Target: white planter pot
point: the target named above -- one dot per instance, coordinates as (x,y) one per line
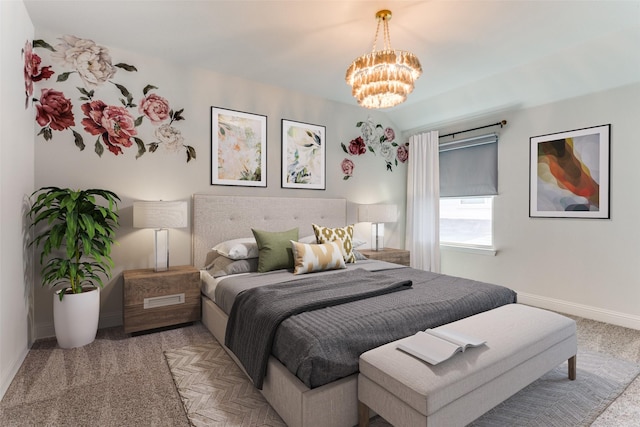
(75,318)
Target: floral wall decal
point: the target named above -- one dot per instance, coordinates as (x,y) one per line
(375,139)
(116,126)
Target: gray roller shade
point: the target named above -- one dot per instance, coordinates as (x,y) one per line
(469,167)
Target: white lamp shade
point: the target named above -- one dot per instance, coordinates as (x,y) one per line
(160,214)
(378,213)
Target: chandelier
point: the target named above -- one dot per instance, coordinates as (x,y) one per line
(383,78)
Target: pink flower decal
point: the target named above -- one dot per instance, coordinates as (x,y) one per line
(32,70)
(115,124)
(403,153)
(155,107)
(347,168)
(357,146)
(389,134)
(54,110)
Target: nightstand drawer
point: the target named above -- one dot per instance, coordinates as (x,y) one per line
(396,256)
(157,299)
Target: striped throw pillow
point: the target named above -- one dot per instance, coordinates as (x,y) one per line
(308,258)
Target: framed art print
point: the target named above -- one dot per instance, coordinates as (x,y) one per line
(238,148)
(569,174)
(303,155)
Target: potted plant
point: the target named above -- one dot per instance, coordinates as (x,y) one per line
(77,232)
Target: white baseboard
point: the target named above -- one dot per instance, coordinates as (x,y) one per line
(6,380)
(588,312)
(107,320)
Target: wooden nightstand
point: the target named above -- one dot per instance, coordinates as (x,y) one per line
(397,256)
(157,299)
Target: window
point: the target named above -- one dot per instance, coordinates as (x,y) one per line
(468,182)
(466,221)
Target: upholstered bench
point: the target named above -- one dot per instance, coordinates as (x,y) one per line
(523,343)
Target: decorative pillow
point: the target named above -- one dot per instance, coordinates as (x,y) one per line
(359,255)
(326,234)
(274,249)
(357,242)
(308,239)
(223,266)
(308,258)
(312,239)
(238,248)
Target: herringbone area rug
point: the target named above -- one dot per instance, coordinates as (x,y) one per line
(215,392)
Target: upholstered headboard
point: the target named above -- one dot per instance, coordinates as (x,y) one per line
(220,218)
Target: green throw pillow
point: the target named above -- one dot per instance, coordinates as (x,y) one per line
(274,249)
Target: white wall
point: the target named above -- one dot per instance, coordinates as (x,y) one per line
(578,266)
(167,176)
(16,182)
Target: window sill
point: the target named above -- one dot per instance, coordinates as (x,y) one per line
(479,250)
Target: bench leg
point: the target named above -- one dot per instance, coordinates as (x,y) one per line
(572,368)
(363,415)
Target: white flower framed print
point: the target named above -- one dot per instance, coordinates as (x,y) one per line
(303,155)
(238,148)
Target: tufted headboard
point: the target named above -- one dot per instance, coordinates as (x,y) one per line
(220,218)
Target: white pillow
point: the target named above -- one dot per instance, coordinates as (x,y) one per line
(308,239)
(357,242)
(243,248)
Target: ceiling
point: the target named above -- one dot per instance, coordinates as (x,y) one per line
(476,54)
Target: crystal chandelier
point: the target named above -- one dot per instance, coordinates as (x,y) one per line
(383,78)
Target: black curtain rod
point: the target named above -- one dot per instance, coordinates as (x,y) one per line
(453,134)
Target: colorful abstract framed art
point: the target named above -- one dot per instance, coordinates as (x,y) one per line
(303,155)
(238,148)
(569,174)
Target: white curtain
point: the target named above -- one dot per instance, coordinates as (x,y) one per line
(423,202)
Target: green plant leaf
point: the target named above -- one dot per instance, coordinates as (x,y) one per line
(153,147)
(344,148)
(138,121)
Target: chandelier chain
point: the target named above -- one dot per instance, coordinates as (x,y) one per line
(387,35)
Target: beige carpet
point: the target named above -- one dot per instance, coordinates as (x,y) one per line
(125,381)
(215,392)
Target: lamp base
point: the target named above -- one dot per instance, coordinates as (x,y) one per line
(162,250)
(377,236)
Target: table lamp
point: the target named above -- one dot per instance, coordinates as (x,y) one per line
(161,216)
(377,215)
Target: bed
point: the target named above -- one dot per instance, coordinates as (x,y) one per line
(304,401)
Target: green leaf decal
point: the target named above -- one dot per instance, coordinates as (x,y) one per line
(43,44)
(78,140)
(191,153)
(153,147)
(64,76)
(344,148)
(126,67)
(147,88)
(138,121)
(141,147)
(99,149)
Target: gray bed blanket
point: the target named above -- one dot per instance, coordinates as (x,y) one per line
(324,345)
(257,312)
